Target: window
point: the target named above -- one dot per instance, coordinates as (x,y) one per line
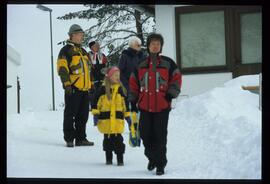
(218,39)
(251,37)
(202,39)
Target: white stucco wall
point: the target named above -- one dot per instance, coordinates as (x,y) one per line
(13,63)
(192,84)
(165,26)
(199,83)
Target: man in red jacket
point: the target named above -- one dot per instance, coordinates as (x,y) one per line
(153,85)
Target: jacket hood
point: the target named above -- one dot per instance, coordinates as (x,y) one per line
(132,52)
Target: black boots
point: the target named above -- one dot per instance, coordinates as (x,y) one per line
(83,142)
(120,161)
(109,158)
(70,144)
(150,166)
(160,171)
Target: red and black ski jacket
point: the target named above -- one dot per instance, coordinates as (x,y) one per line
(153,88)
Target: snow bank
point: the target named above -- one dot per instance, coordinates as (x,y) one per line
(218,134)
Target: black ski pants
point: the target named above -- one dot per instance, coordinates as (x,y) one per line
(76,115)
(153,131)
(114,142)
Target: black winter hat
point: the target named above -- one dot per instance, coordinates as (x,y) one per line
(154,36)
(91,44)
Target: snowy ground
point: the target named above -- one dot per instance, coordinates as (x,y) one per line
(215,135)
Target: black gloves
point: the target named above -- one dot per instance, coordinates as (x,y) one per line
(68,90)
(168,97)
(133,107)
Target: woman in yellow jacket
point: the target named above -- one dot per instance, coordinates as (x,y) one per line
(110,108)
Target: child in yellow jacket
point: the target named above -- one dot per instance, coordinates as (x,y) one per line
(110,108)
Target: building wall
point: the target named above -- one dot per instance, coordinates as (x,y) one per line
(192,84)
(13,63)
(165,25)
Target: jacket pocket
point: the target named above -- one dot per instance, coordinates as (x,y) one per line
(162,81)
(162,103)
(76,65)
(77,81)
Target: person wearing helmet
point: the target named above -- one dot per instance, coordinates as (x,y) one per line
(73,67)
(153,85)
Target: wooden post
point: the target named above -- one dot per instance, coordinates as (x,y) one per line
(250,87)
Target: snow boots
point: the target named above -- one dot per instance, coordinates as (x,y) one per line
(109,157)
(120,160)
(70,144)
(160,171)
(83,142)
(150,166)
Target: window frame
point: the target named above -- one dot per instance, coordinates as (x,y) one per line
(232,36)
(237,14)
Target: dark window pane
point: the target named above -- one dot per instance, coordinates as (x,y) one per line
(251,38)
(202,39)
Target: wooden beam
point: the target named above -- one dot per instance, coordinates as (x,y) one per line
(250,87)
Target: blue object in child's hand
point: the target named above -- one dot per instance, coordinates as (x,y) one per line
(128,121)
(95,119)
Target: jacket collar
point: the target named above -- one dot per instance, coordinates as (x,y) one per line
(69,42)
(158,59)
(114,86)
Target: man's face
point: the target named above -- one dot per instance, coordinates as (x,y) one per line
(155,46)
(96,47)
(137,46)
(78,37)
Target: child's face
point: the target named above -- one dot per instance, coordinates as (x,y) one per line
(115,78)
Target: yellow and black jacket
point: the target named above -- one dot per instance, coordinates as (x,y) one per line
(74,66)
(111,113)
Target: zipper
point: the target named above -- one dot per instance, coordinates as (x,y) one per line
(157,89)
(146,78)
(82,64)
(157,81)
